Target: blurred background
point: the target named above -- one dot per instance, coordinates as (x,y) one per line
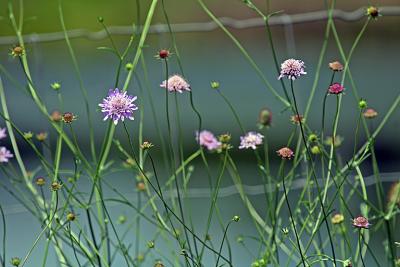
(207,54)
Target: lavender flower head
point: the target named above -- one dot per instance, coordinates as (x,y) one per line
(292,69)
(3,133)
(5,154)
(208,140)
(361,222)
(176,83)
(251,140)
(118,106)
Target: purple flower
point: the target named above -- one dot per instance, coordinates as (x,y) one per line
(3,133)
(208,140)
(176,83)
(292,69)
(251,140)
(118,106)
(336,89)
(5,154)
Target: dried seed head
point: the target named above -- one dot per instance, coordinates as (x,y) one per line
(40,181)
(55,186)
(297,119)
(141,186)
(285,153)
(370,113)
(146,145)
(336,66)
(17,51)
(163,54)
(68,117)
(373,12)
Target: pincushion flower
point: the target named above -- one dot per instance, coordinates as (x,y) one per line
(176,83)
(292,69)
(336,89)
(5,154)
(285,153)
(118,106)
(361,222)
(208,140)
(370,113)
(3,133)
(251,140)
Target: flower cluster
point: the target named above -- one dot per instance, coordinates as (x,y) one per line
(176,83)
(336,89)
(118,106)
(251,140)
(292,69)
(208,140)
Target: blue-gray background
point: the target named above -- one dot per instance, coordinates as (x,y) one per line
(206,56)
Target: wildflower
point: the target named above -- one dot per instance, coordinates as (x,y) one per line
(129,66)
(336,141)
(337,218)
(336,89)
(214,85)
(373,12)
(146,145)
(315,150)
(68,117)
(5,154)
(292,69)
(208,140)
(3,133)
(264,118)
(361,222)
(175,83)
(56,116)
(55,186)
(71,216)
(40,181)
(141,186)
(18,51)
(297,119)
(163,54)
(370,113)
(285,153)
(150,244)
(236,218)
(56,86)
(336,66)
(251,140)
(41,137)
(362,104)
(312,138)
(118,106)
(15,261)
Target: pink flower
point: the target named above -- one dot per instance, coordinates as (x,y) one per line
(285,153)
(251,140)
(118,106)
(292,69)
(176,83)
(5,154)
(370,113)
(336,89)
(361,222)
(3,133)
(208,140)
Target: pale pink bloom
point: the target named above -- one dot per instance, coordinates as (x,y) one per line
(251,140)
(3,133)
(5,154)
(285,153)
(176,83)
(361,222)
(292,69)
(336,89)
(208,140)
